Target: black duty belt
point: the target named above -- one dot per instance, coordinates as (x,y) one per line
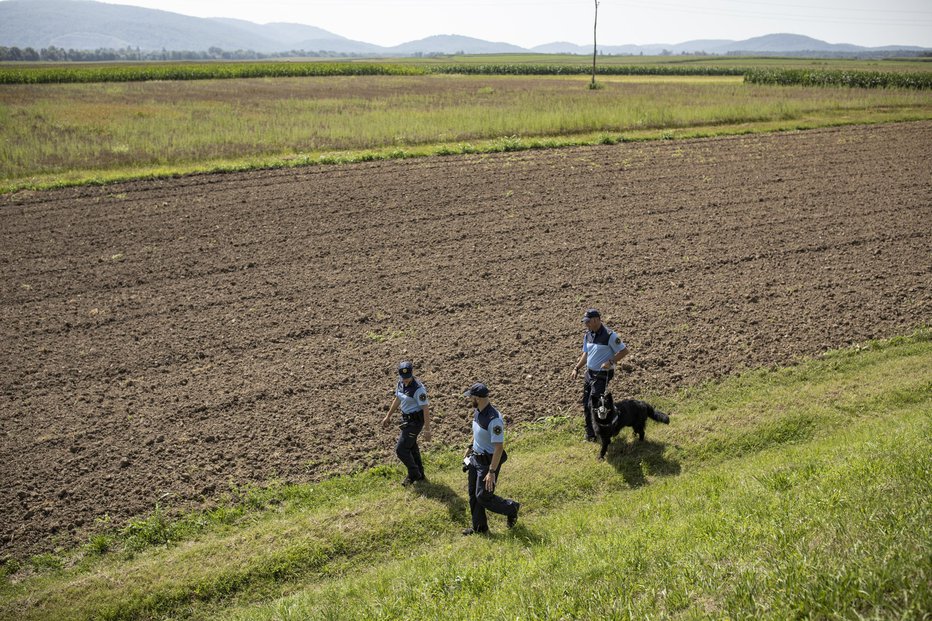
(483,458)
(412,415)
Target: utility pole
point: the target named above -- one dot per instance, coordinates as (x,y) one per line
(595,47)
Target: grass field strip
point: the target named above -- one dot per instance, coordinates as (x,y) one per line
(70,134)
(793,492)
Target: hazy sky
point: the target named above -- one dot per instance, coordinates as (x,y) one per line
(532,22)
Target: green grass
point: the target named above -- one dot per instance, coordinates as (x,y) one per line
(71,134)
(791,493)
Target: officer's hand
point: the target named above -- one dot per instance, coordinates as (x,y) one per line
(574,373)
(490,481)
(606,365)
(385,422)
(427,435)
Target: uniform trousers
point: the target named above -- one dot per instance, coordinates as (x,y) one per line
(595,386)
(481,499)
(407,449)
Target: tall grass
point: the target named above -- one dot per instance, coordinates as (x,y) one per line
(795,493)
(55,129)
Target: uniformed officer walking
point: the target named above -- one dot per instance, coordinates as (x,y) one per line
(484,460)
(411,398)
(602,348)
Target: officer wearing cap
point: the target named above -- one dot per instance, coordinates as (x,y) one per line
(411,399)
(483,460)
(602,348)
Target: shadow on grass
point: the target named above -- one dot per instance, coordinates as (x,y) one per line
(456,504)
(525,535)
(635,460)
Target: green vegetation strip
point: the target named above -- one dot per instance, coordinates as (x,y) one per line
(839,78)
(222,71)
(57,135)
(506,144)
(794,493)
(560,69)
(37,74)
(195,71)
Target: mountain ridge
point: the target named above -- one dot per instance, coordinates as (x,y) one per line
(89,25)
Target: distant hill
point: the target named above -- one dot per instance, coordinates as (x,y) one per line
(452,44)
(340,46)
(562,47)
(88,25)
(783,42)
(282,33)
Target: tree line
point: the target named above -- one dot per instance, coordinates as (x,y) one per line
(58,54)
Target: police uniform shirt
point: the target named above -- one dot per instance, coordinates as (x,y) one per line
(412,397)
(487,427)
(600,347)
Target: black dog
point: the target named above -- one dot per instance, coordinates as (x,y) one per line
(609,418)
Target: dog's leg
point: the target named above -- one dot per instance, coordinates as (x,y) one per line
(605,442)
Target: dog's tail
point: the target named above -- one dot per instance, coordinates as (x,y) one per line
(659,416)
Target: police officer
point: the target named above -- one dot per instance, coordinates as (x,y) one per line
(411,398)
(483,460)
(602,348)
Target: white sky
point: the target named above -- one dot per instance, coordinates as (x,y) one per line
(533,22)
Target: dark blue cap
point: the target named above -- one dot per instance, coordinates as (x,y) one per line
(477,390)
(406,369)
(592,312)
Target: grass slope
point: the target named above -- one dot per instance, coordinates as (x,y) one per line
(791,493)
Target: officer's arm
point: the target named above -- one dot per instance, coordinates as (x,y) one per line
(579,364)
(426,410)
(492,476)
(621,354)
(497,455)
(391,410)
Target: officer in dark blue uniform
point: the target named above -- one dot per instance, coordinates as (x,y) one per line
(483,460)
(411,399)
(602,348)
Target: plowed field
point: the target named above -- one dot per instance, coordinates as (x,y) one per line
(161,339)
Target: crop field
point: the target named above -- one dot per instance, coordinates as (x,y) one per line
(720,62)
(161,340)
(717,62)
(71,133)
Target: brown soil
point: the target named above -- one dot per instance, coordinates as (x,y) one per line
(161,339)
